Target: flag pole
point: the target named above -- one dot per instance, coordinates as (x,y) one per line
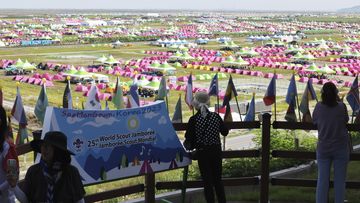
(237,104)
(217,94)
(297,98)
(275,94)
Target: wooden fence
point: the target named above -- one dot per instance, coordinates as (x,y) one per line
(150,185)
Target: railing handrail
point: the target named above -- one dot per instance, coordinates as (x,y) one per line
(264,153)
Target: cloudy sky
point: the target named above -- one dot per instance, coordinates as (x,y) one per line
(281,5)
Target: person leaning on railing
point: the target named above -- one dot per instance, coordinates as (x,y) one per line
(204,129)
(330,115)
(53,179)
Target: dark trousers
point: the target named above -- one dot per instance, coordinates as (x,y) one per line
(210,165)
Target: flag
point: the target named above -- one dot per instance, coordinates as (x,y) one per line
(41,104)
(214,87)
(353,96)
(230,92)
(93,102)
(270,95)
(133,97)
(117,98)
(290,115)
(309,94)
(250,115)
(189,92)
(162,90)
(228,116)
(18,112)
(177,117)
(106,105)
(67,98)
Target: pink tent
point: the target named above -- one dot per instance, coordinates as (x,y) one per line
(58,77)
(304,79)
(279,76)
(31,80)
(269,75)
(18,77)
(24,79)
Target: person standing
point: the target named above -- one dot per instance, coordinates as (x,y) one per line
(330,115)
(204,128)
(7,152)
(53,179)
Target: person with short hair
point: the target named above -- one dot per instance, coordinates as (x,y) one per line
(330,115)
(204,128)
(7,152)
(53,179)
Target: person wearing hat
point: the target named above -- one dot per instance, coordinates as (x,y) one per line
(7,152)
(204,129)
(53,179)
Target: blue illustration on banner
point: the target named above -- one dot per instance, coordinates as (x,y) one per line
(114,144)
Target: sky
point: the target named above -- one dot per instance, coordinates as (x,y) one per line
(279,5)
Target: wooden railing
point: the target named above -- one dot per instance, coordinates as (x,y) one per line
(263,180)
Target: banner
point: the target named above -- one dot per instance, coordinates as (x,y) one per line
(114,144)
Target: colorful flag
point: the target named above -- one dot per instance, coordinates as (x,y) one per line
(228,116)
(309,94)
(67,98)
(189,92)
(106,105)
(162,91)
(93,102)
(250,115)
(270,95)
(18,112)
(117,98)
(177,117)
(133,97)
(290,115)
(214,87)
(353,96)
(10,134)
(41,104)
(230,92)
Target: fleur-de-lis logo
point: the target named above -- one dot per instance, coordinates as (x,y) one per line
(77,143)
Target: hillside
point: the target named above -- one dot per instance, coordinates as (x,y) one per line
(355,9)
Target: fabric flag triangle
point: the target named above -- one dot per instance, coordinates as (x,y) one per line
(117,98)
(250,115)
(189,92)
(214,87)
(353,96)
(177,117)
(228,116)
(41,104)
(230,92)
(93,102)
(107,105)
(162,90)
(270,95)
(67,98)
(18,111)
(309,94)
(290,115)
(133,97)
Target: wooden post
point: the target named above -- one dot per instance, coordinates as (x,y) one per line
(150,188)
(265,156)
(36,136)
